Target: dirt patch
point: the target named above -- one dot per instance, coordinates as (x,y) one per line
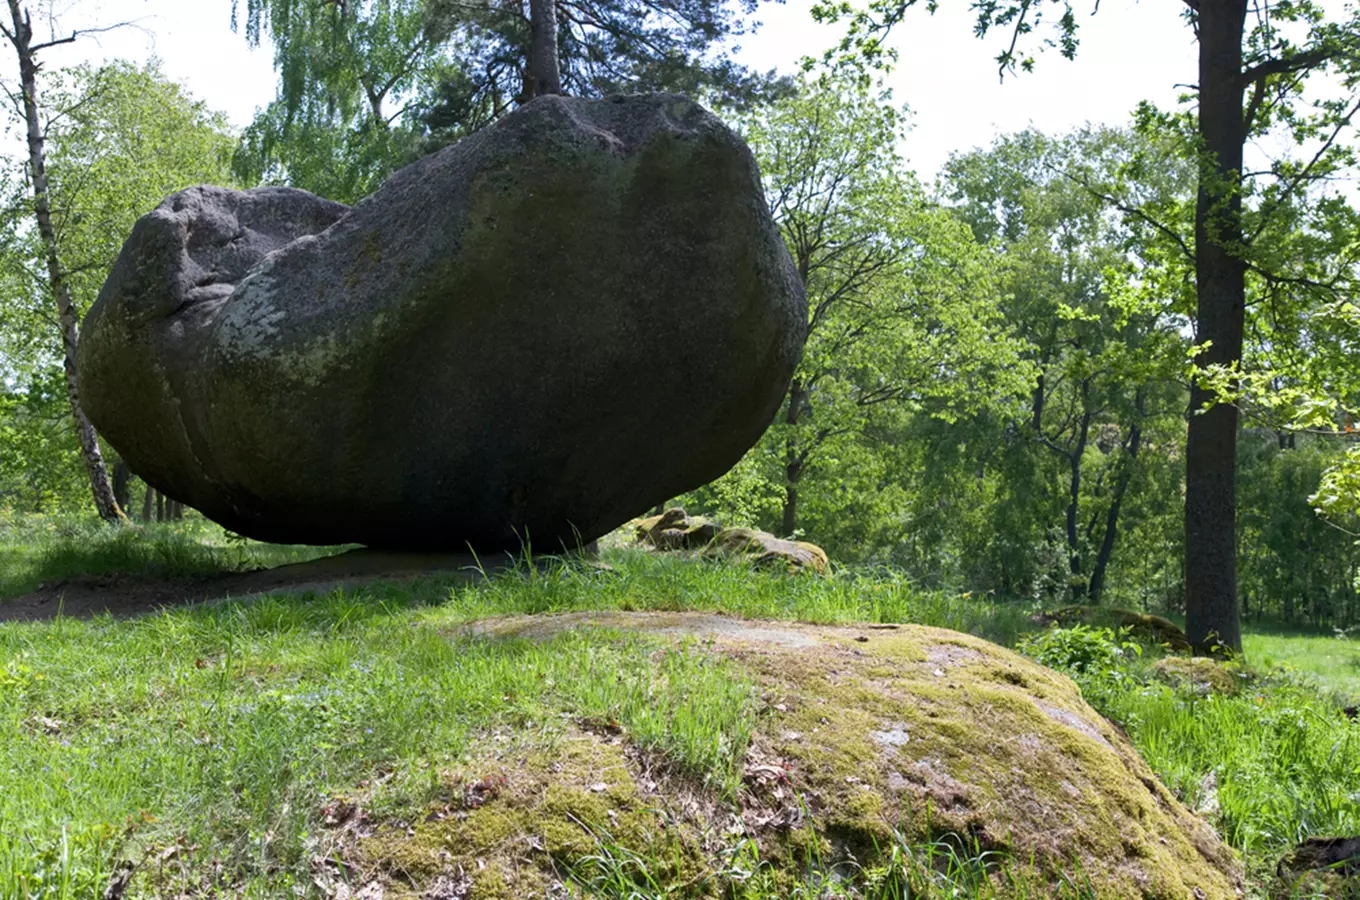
(123,595)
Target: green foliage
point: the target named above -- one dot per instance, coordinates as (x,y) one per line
(1030,497)
(124,139)
(346,73)
(903,315)
(1294,565)
(368,85)
(40,466)
(1095,653)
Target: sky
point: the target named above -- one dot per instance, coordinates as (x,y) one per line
(1129,52)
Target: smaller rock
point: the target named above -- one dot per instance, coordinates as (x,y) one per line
(1200,674)
(677,530)
(1321,867)
(760,548)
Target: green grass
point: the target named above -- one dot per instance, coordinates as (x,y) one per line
(933,870)
(225,728)
(1333,660)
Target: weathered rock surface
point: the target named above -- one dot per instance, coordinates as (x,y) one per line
(872,740)
(760,548)
(675,529)
(482,350)
(1202,675)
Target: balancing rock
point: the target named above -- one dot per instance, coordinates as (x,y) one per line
(483,352)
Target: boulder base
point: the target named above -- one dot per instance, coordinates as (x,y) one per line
(481,352)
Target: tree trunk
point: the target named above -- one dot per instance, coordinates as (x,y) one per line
(22,40)
(790,520)
(1211,613)
(1121,486)
(544,70)
(122,484)
(1074,460)
(148,503)
(793,460)
(160,507)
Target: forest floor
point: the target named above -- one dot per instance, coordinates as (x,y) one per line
(209,740)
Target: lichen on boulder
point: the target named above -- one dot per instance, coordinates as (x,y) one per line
(873,740)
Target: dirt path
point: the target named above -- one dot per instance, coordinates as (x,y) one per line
(122,595)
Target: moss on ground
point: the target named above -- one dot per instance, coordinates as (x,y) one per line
(870,740)
(518,824)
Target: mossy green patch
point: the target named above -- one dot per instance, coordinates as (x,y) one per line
(519,823)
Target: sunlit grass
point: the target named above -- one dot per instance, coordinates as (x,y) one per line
(226,727)
(1333,659)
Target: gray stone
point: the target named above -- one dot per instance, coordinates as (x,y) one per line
(540,332)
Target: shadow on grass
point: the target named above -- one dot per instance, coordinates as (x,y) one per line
(89,569)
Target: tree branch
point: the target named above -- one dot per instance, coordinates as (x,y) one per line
(1298,62)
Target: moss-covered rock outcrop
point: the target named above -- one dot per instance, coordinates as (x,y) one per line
(675,529)
(871,739)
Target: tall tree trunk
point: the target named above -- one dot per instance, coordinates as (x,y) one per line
(1121,486)
(22,40)
(544,67)
(793,459)
(122,483)
(1074,460)
(1211,613)
(148,503)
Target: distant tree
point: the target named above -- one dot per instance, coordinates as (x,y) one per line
(902,305)
(1250,82)
(1107,362)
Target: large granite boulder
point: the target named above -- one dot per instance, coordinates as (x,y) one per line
(482,351)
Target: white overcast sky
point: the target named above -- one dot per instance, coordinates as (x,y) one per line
(1130,51)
